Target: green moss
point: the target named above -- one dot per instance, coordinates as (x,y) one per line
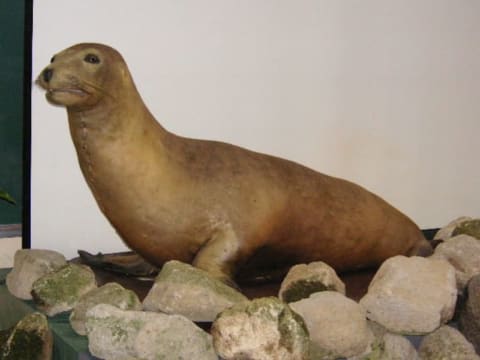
(61,286)
(302,289)
(4,335)
(469,227)
(378,351)
(292,328)
(23,345)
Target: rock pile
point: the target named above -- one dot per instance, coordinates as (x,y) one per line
(310,319)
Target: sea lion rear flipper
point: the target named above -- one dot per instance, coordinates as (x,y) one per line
(126,263)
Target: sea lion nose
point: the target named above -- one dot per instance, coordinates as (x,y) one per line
(47,74)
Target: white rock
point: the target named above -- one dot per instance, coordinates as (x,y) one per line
(412,295)
(173,338)
(463,252)
(110,293)
(446,232)
(262,329)
(305,279)
(446,343)
(125,335)
(337,324)
(28,266)
(185,290)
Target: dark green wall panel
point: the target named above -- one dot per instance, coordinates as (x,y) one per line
(12,101)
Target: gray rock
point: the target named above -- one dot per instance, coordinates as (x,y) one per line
(110,293)
(468,227)
(446,232)
(261,329)
(60,291)
(305,279)
(387,346)
(337,325)
(463,252)
(469,317)
(30,339)
(175,337)
(412,295)
(28,266)
(185,290)
(112,332)
(446,343)
(125,335)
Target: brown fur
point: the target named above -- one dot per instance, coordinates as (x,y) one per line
(213,204)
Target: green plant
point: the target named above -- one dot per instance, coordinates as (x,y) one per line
(6,197)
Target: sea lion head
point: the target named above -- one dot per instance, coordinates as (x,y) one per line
(83,75)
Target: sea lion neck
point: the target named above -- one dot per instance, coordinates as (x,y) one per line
(113,116)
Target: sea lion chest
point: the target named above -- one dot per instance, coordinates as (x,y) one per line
(136,188)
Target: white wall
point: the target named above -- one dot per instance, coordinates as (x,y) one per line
(384,93)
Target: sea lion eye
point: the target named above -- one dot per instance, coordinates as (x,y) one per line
(92,59)
(52,59)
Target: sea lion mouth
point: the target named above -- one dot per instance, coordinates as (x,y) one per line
(74,91)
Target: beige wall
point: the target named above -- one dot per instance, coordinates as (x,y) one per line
(384,93)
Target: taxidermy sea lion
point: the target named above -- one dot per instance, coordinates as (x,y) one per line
(222,208)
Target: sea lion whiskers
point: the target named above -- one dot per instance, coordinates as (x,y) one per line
(98,88)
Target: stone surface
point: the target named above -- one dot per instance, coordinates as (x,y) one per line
(185,290)
(28,266)
(30,339)
(261,329)
(446,231)
(110,293)
(469,317)
(387,346)
(175,337)
(468,227)
(122,334)
(446,343)
(305,279)
(60,291)
(337,325)
(463,252)
(412,295)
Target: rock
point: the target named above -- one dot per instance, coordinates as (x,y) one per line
(173,338)
(303,280)
(387,346)
(185,290)
(261,329)
(463,252)
(337,325)
(412,295)
(469,317)
(60,291)
(110,293)
(28,266)
(122,334)
(468,227)
(446,232)
(446,343)
(30,339)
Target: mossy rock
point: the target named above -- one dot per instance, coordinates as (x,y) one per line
(469,227)
(30,339)
(60,291)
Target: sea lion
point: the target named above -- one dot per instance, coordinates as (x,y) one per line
(215,205)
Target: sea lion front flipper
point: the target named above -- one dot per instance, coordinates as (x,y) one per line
(218,256)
